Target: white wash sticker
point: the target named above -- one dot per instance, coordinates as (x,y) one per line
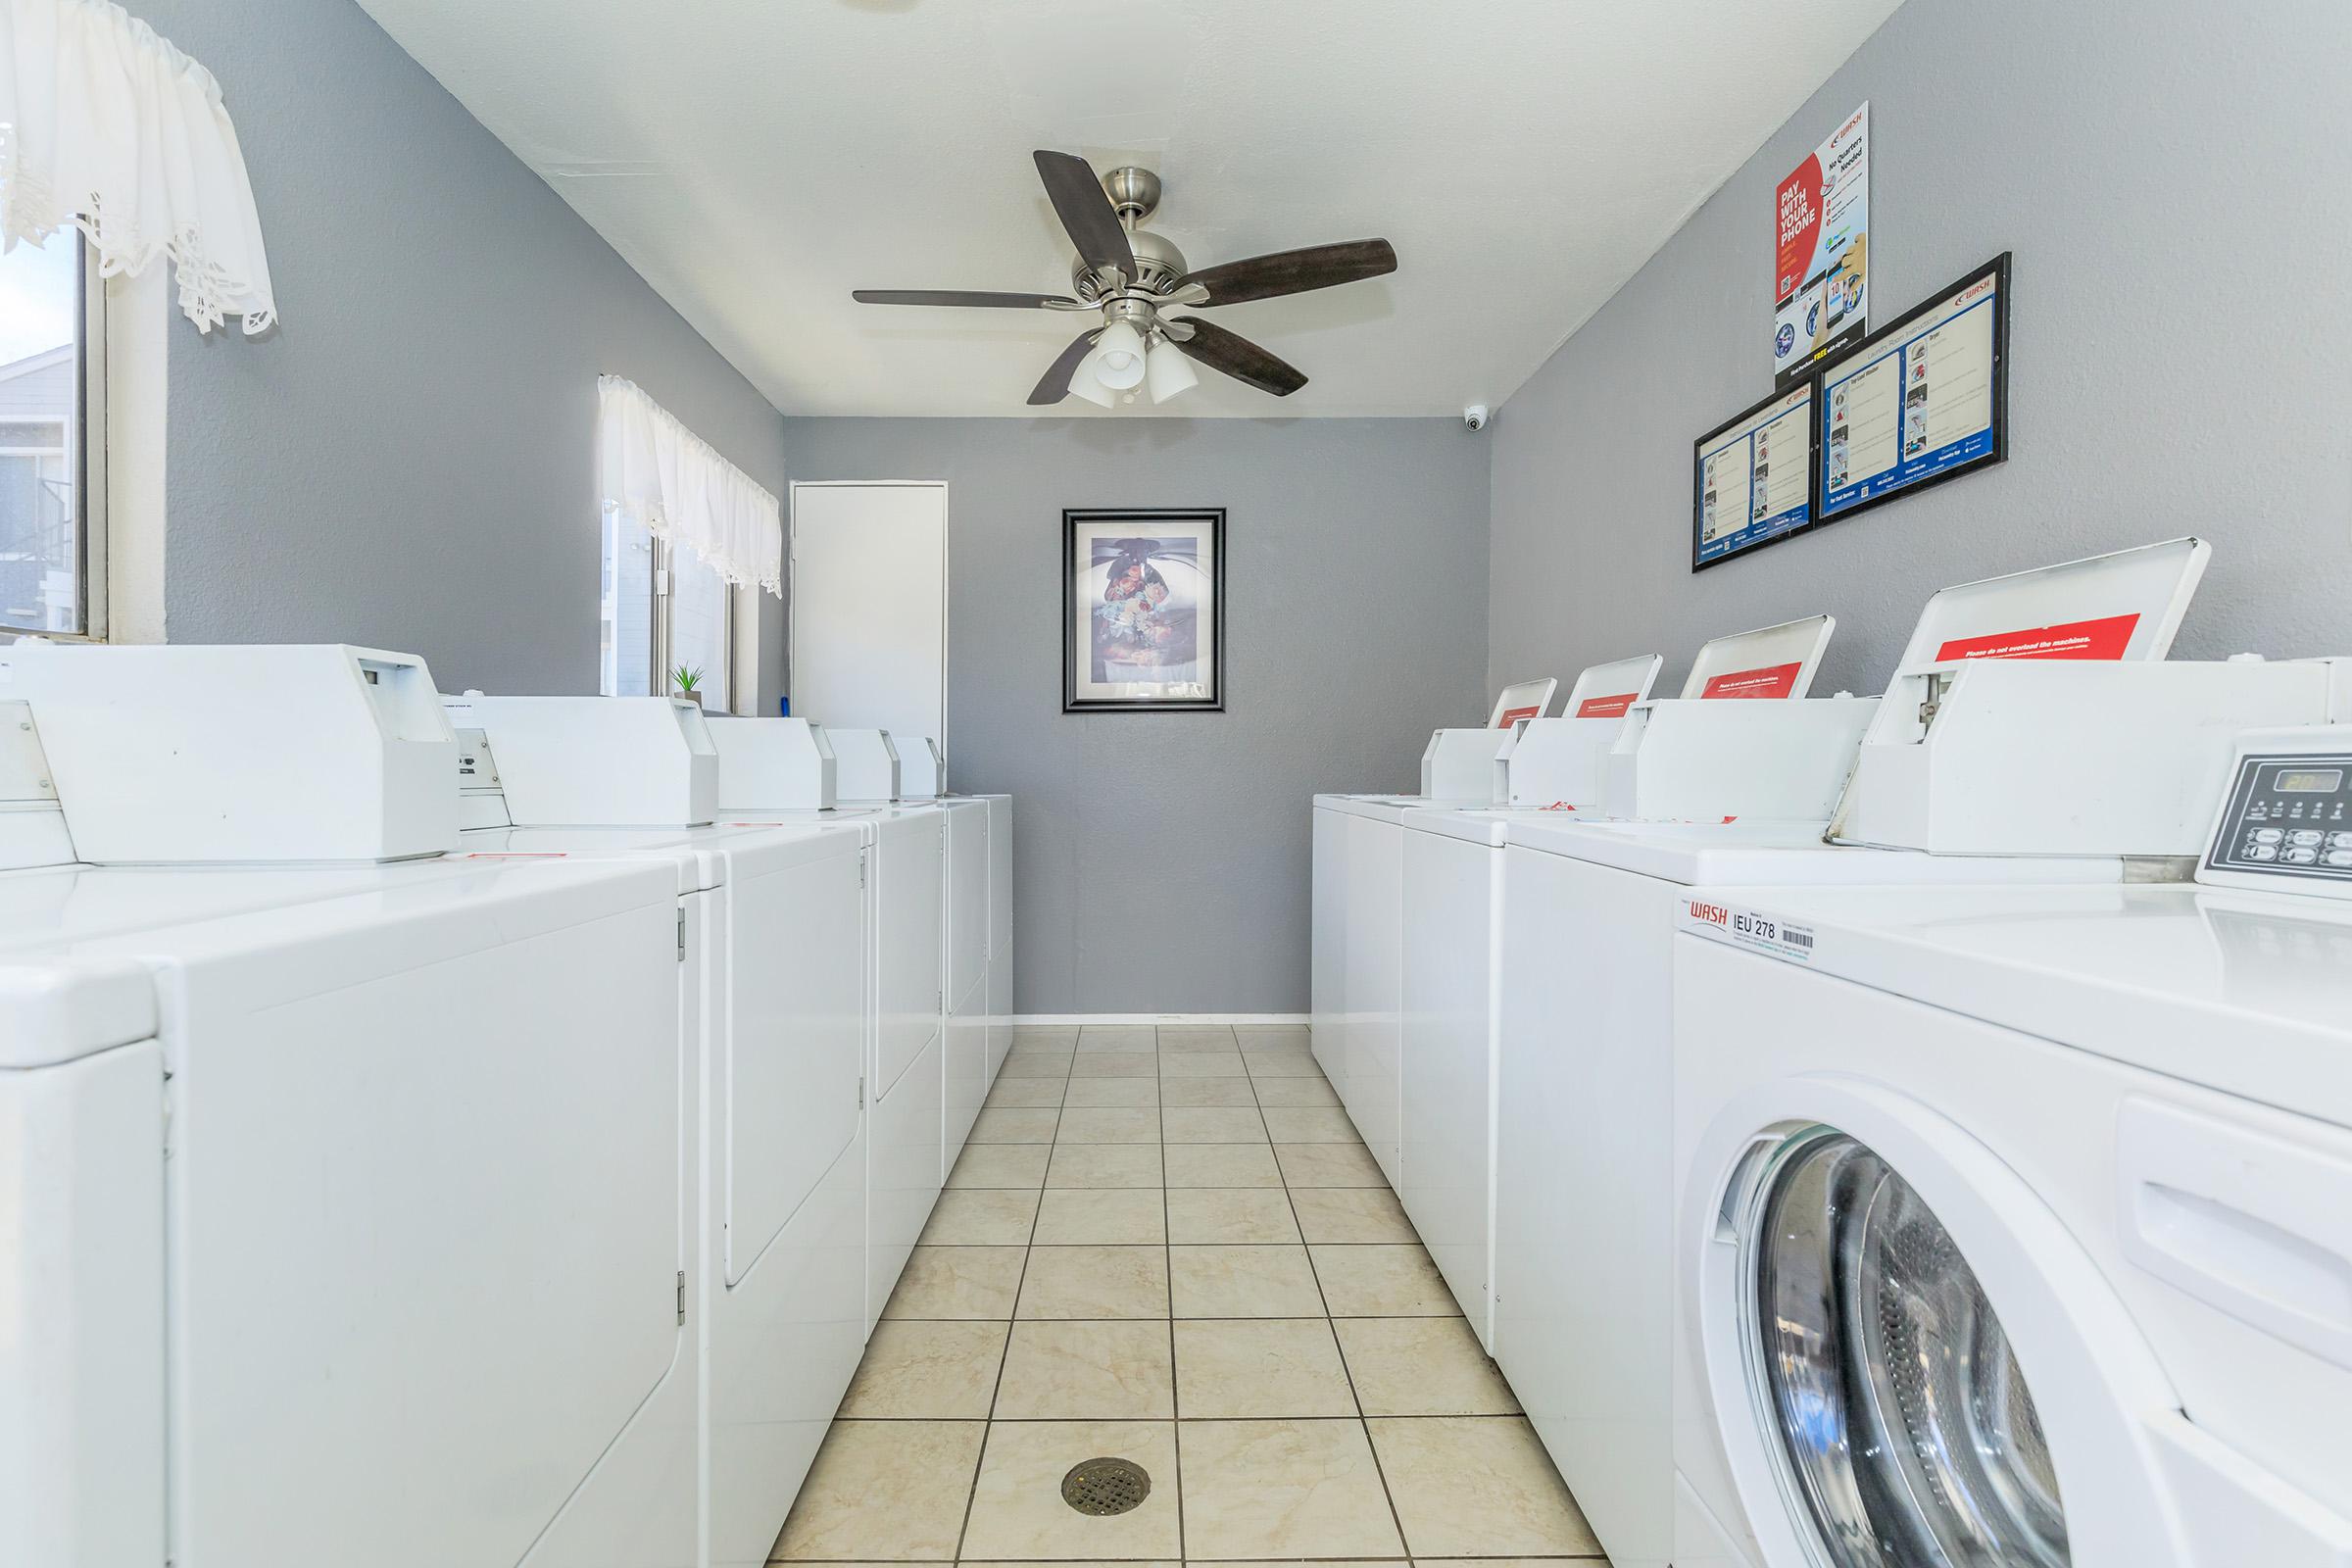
(1749,928)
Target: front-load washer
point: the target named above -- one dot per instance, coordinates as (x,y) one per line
(774,1002)
(313,1220)
(1582,1091)
(2011,1226)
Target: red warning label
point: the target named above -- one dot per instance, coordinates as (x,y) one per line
(1512,716)
(2104,638)
(1774,680)
(1604,707)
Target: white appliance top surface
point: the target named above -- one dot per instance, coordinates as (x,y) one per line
(701,855)
(1389,807)
(1477,826)
(2247,993)
(1762,853)
(77,931)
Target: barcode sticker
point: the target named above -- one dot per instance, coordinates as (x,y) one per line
(1748,928)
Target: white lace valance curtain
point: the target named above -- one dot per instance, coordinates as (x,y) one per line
(672,483)
(106,127)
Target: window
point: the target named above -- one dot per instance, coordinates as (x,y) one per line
(663,608)
(52,440)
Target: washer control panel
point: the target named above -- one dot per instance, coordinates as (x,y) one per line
(2288,820)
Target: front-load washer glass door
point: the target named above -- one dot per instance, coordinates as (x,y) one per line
(1906,1431)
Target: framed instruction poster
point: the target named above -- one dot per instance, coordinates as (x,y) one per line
(1922,400)
(1752,479)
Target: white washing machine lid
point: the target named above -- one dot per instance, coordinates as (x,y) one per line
(1376,807)
(1766,854)
(2248,994)
(1491,828)
(84,981)
(57,1012)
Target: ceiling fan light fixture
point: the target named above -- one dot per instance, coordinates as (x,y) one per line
(1167,373)
(1119,356)
(1086,384)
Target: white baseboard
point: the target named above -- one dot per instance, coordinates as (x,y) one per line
(1171,1019)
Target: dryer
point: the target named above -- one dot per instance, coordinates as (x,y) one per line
(907,1115)
(775,1004)
(313,1220)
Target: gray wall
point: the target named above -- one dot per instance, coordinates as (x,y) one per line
(406,460)
(2175,184)
(1160,860)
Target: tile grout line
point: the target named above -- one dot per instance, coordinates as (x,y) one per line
(971,1496)
(1378,1471)
(1167,1243)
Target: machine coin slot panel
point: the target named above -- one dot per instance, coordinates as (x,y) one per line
(2288,817)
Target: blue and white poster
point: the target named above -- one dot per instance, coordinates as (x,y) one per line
(1754,477)
(1916,403)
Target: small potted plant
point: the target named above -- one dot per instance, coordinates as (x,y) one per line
(688,679)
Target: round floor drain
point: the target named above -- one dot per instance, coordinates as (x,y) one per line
(1105,1487)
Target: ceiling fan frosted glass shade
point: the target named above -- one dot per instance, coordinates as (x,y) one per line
(1119,356)
(1086,384)
(1167,372)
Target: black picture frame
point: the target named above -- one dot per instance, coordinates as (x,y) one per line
(1997,271)
(1698,479)
(1078,627)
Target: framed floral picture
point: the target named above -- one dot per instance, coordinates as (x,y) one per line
(1142,611)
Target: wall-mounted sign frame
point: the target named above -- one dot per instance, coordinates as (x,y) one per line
(1752,478)
(1143,627)
(1922,400)
(1821,252)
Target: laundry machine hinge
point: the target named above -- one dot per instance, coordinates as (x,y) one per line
(681,936)
(681,1296)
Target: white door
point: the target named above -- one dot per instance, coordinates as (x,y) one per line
(870,608)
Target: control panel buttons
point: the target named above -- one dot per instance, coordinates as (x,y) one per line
(2340,841)
(2261,851)
(2301,857)
(2267,835)
(2307,836)
(2337,857)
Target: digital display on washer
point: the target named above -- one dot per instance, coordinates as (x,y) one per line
(2289,817)
(2310,781)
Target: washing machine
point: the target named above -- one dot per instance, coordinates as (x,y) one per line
(313,1222)
(2011,1222)
(909,1119)
(1450,890)
(1584,1076)
(775,1001)
(1356,936)
(965,1042)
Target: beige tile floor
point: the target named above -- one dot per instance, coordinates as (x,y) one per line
(1168,1247)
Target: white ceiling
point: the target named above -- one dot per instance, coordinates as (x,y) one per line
(757,159)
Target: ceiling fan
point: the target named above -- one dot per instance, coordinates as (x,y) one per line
(1133,275)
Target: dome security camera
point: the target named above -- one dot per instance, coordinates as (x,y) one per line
(1475,416)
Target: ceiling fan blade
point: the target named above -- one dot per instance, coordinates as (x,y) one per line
(1295,271)
(1085,211)
(1055,384)
(954,296)
(1238,357)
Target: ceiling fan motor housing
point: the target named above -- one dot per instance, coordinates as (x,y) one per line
(1160,267)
